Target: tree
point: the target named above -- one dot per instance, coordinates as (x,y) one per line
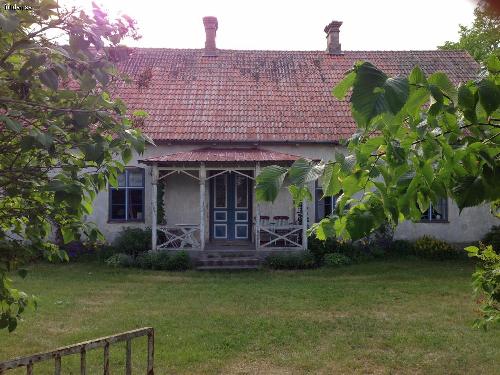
(483,37)
(62,135)
(418,139)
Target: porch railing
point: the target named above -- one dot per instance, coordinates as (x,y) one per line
(281,236)
(179,236)
(82,348)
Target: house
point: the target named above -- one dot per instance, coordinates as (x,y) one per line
(219,116)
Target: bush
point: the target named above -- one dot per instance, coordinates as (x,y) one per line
(145,260)
(493,238)
(120,260)
(319,248)
(431,248)
(133,241)
(401,248)
(486,283)
(336,259)
(179,261)
(162,260)
(291,261)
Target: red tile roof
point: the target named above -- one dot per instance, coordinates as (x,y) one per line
(259,96)
(223,155)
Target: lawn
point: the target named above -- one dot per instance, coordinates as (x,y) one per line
(409,317)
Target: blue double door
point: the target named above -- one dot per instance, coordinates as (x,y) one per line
(231,206)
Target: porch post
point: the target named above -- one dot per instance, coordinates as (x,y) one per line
(257,211)
(154,197)
(203,176)
(304,224)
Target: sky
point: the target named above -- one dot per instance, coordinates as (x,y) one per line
(294,25)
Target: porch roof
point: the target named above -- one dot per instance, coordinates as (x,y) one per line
(223,155)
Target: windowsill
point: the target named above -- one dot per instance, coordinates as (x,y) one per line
(433,221)
(117,221)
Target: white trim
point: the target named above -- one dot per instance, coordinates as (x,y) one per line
(215,232)
(154,193)
(257,211)
(203,176)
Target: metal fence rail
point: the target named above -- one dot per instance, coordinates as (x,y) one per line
(82,348)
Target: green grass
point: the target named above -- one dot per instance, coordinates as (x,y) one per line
(410,317)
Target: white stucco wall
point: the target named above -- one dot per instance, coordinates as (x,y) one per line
(182,201)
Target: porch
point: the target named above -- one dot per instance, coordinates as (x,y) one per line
(210,205)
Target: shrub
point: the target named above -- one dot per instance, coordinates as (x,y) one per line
(319,248)
(291,261)
(401,248)
(133,241)
(120,260)
(145,260)
(493,238)
(336,259)
(162,260)
(486,284)
(179,261)
(431,248)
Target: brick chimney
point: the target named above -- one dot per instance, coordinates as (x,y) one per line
(332,31)
(210,31)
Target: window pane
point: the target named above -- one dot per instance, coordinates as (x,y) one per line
(121,180)
(220,231)
(135,196)
(118,196)
(135,212)
(135,178)
(241,231)
(241,191)
(220,191)
(118,212)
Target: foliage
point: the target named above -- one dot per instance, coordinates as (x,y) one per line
(133,241)
(486,283)
(419,138)
(120,260)
(431,248)
(291,261)
(493,238)
(319,248)
(336,259)
(401,248)
(163,260)
(483,37)
(61,128)
(160,205)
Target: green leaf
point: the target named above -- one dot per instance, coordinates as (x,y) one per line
(492,62)
(49,78)
(466,98)
(68,234)
(330,183)
(374,93)
(417,76)
(340,90)
(304,171)
(489,96)
(299,194)
(269,182)
(442,81)
(469,191)
(11,124)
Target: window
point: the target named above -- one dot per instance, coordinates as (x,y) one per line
(126,203)
(324,206)
(436,213)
